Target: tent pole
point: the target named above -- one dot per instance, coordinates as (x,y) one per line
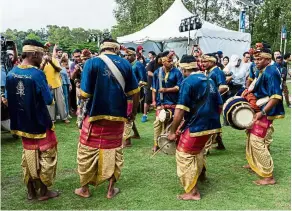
(206,9)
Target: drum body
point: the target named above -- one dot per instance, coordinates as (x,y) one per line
(168,147)
(238,113)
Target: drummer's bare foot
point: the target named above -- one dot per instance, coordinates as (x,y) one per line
(127,143)
(193,195)
(265,181)
(246,166)
(82,192)
(155,148)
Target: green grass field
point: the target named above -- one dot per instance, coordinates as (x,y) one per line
(152,183)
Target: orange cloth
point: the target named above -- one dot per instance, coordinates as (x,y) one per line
(251,99)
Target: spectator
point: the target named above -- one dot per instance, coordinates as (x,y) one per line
(237,71)
(66,84)
(225,61)
(52,68)
(77,60)
(246,57)
(283,70)
(152,55)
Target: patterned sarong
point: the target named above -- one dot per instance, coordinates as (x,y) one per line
(190,159)
(257,147)
(189,168)
(99,153)
(98,165)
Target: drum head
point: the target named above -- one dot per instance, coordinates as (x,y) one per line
(162,115)
(242,117)
(168,147)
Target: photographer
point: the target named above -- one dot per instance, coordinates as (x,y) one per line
(72,95)
(9,56)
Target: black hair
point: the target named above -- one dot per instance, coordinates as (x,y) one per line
(245,53)
(76,51)
(278,51)
(152,52)
(287,55)
(33,43)
(59,49)
(164,54)
(187,59)
(226,57)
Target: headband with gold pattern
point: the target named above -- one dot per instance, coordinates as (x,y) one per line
(130,52)
(187,66)
(31,48)
(263,55)
(208,58)
(109,45)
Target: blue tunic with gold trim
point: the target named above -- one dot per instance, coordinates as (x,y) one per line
(171,79)
(140,72)
(253,72)
(107,100)
(28,95)
(218,76)
(269,84)
(207,119)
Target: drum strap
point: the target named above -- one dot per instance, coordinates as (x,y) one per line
(114,70)
(194,111)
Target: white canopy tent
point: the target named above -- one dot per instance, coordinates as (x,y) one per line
(163,34)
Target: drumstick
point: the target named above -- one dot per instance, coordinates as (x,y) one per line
(158,150)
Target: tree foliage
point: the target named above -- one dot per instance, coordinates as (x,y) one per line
(268,22)
(68,39)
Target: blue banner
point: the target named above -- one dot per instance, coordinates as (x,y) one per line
(242,21)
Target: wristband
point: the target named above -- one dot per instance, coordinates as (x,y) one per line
(263,112)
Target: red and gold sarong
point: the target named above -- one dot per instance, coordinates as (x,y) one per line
(257,147)
(190,159)
(39,158)
(99,153)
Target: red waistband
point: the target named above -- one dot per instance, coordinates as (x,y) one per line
(103,134)
(192,145)
(260,127)
(43,144)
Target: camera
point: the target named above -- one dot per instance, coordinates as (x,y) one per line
(5,46)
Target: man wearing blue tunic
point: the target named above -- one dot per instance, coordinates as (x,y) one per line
(165,88)
(267,89)
(217,75)
(28,95)
(139,72)
(200,104)
(107,81)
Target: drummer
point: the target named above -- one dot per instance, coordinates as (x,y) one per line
(199,103)
(165,88)
(140,73)
(217,75)
(260,135)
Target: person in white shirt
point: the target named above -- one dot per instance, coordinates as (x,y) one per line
(236,71)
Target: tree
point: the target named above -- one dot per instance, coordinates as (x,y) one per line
(269,20)
(32,36)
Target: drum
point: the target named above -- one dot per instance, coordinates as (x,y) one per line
(164,115)
(238,113)
(166,146)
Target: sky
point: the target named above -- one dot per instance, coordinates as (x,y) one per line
(36,14)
